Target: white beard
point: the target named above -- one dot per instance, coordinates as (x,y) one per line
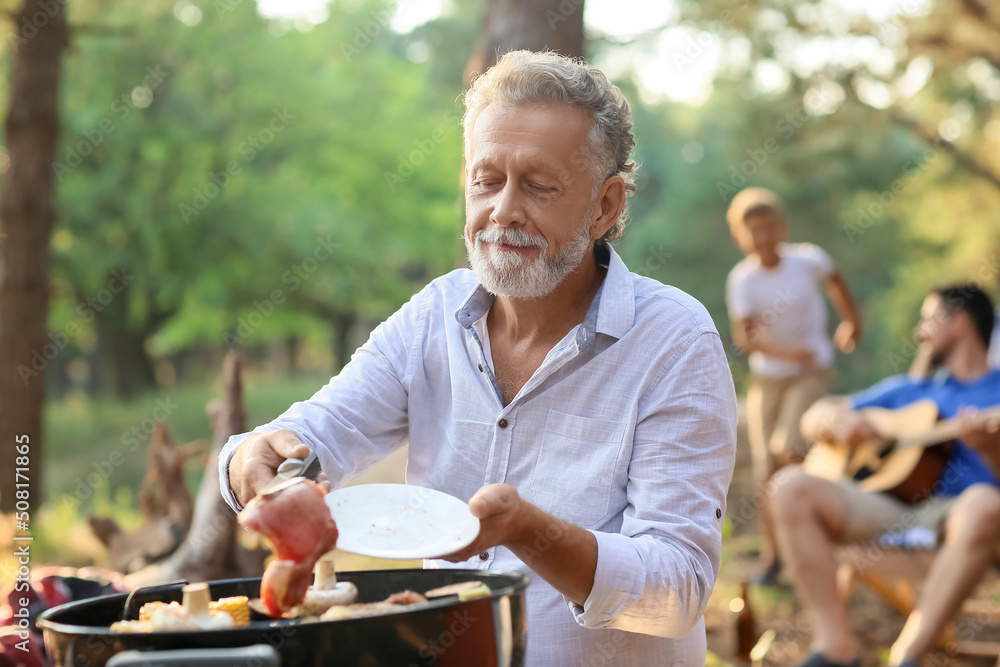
(511,274)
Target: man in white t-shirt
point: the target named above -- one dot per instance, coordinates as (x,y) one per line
(775,301)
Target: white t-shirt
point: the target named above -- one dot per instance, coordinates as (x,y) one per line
(788,300)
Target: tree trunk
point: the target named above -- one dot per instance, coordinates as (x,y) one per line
(27,214)
(124,368)
(216,547)
(343,346)
(535,25)
(282,354)
(165,503)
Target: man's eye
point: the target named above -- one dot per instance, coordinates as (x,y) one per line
(540,188)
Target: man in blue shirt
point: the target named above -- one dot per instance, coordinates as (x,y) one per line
(813,515)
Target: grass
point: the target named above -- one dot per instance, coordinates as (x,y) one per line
(95,443)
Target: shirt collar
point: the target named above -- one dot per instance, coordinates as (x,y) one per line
(943,377)
(612,312)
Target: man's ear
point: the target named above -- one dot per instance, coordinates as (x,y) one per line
(963,321)
(610,204)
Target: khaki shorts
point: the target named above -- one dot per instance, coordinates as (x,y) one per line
(872,514)
(774,409)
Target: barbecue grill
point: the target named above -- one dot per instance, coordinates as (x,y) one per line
(484,632)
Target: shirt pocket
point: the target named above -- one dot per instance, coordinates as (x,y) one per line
(574,476)
(461,470)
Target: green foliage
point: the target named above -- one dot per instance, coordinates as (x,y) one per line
(873,184)
(235,233)
(279,181)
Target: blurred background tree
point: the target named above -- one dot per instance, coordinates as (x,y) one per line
(27,214)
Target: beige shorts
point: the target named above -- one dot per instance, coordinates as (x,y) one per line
(872,514)
(774,409)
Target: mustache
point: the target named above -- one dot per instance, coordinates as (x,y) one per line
(511,237)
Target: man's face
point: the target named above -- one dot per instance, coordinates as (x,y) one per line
(529,203)
(936,329)
(761,233)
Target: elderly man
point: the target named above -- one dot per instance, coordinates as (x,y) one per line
(813,514)
(560,395)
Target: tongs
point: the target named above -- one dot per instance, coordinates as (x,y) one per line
(293,471)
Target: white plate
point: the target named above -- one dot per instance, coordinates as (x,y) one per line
(400,521)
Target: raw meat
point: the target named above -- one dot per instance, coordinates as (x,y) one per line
(296,521)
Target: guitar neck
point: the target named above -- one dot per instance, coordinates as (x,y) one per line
(943,431)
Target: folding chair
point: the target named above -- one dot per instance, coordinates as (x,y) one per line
(896,573)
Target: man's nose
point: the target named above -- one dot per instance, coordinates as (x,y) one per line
(508,207)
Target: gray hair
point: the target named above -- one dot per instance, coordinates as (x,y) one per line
(523,78)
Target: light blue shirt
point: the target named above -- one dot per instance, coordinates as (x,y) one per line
(628,429)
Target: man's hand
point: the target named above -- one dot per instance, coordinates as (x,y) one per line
(499,509)
(800,355)
(256,460)
(859,431)
(845,338)
(832,420)
(979,432)
(559,552)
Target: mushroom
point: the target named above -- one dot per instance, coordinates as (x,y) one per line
(193,614)
(325,592)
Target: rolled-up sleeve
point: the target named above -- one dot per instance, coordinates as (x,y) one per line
(656,574)
(360,416)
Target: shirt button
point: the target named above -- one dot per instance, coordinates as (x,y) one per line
(484,556)
(718,512)
(480,368)
(502,424)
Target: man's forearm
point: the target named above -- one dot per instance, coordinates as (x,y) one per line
(750,335)
(561,553)
(768,347)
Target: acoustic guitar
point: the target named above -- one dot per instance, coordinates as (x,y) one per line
(906,463)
